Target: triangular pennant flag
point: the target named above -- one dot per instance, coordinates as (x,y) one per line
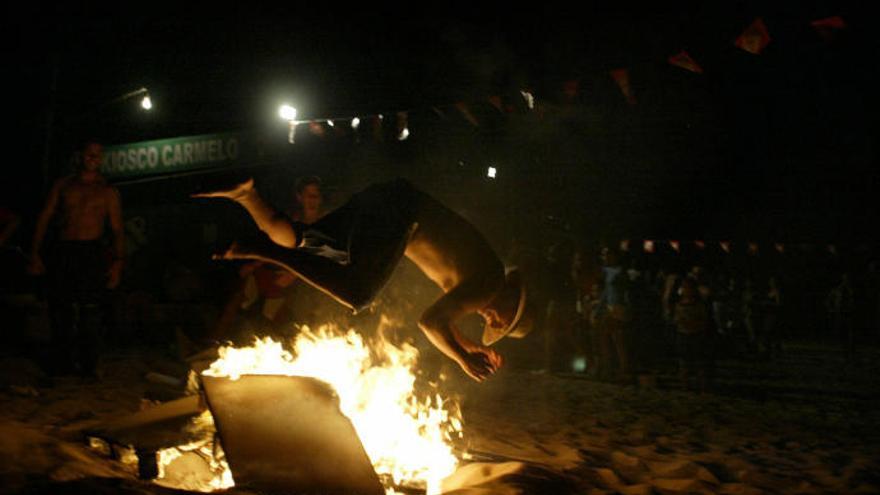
(624,245)
(700,245)
(495,101)
(621,77)
(755,37)
(377,127)
(316,128)
(725,246)
(466,113)
(529,98)
(675,245)
(570,89)
(402,126)
(683,60)
(780,247)
(828,26)
(753,248)
(648,246)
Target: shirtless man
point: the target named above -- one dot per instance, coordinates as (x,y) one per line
(350,253)
(270,281)
(77,270)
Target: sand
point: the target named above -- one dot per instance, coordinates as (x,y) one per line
(805,424)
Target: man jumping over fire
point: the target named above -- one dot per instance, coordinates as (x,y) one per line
(350,254)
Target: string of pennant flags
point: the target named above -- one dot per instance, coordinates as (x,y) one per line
(652,246)
(753,39)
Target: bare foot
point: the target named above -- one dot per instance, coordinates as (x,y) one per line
(233,252)
(235,193)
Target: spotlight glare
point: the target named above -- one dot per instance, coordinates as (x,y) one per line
(146,102)
(287,112)
(404,133)
(355,123)
(330,123)
(492,172)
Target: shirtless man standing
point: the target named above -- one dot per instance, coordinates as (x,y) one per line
(77,269)
(350,253)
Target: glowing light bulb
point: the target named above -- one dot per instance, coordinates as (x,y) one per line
(287,112)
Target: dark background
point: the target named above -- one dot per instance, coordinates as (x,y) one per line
(774,147)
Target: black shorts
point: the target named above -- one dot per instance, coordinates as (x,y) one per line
(77,272)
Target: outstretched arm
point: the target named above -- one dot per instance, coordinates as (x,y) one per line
(438,324)
(271,221)
(116,225)
(36,266)
(10,227)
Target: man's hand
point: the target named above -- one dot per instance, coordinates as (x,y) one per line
(36,267)
(480,363)
(114,274)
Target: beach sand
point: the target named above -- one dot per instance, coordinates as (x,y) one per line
(803,424)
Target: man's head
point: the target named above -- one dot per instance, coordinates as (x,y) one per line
(308,195)
(92,156)
(509,313)
(610,256)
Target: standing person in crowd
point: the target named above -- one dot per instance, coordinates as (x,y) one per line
(263,288)
(772,311)
(9,222)
(561,311)
(12,259)
(840,303)
(613,319)
(693,337)
(726,312)
(77,269)
(751,313)
(586,278)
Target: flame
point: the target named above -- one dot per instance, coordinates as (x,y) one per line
(217,470)
(407,439)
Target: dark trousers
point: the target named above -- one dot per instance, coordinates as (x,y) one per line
(76,275)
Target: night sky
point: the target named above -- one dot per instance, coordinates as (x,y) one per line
(774,146)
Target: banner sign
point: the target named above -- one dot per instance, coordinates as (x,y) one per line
(179,154)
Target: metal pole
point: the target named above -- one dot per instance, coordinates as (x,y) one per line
(50,124)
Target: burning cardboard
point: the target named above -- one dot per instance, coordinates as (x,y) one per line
(286,433)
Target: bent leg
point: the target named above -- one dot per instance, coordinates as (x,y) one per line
(275,224)
(372,229)
(353,285)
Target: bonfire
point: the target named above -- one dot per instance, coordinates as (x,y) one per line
(407,436)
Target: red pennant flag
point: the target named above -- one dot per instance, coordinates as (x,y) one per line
(495,101)
(780,247)
(700,245)
(683,60)
(648,246)
(725,246)
(624,245)
(466,113)
(675,245)
(753,248)
(316,128)
(828,26)
(621,76)
(570,89)
(755,37)
(377,128)
(402,126)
